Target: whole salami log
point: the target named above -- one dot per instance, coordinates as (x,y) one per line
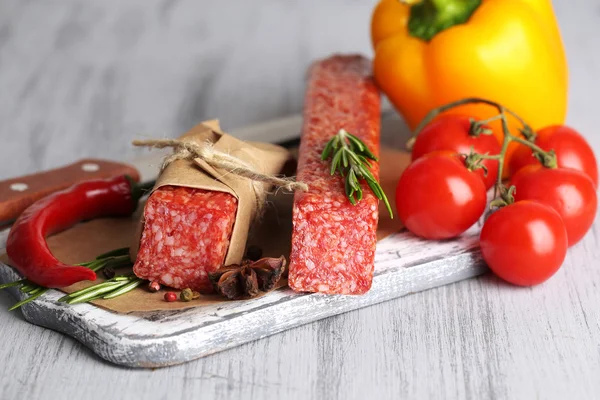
(333,241)
(185,237)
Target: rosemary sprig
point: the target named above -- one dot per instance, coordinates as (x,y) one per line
(112,288)
(351,158)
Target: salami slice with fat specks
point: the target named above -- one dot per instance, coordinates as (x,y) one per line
(186,235)
(333,242)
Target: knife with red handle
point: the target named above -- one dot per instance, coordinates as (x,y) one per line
(17,194)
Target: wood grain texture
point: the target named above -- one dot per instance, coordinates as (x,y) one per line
(93,74)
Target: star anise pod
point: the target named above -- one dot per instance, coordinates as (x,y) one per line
(248,279)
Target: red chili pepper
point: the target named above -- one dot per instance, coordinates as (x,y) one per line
(26,244)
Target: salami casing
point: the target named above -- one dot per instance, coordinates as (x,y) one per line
(333,241)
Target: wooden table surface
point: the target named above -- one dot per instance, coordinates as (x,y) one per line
(82,78)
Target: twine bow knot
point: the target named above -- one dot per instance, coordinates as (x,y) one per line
(183,150)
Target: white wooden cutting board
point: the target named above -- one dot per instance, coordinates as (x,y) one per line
(403,265)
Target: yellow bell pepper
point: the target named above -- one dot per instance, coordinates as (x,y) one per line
(432,52)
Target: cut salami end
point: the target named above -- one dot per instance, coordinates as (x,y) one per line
(336,246)
(185,236)
(333,242)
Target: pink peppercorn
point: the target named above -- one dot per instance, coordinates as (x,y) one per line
(154,286)
(171,296)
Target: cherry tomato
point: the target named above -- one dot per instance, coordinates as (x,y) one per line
(572,151)
(451,132)
(524,243)
(569,192)
(437,197)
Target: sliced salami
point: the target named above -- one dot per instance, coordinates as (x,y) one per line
(185,236)
(333,242)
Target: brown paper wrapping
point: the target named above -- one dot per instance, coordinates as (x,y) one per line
(266,158)
(272,233)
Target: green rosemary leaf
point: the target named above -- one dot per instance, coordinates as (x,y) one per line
(367,152)
(89,264)
(89,289)
(375,188)
(366,172)
(356,142)
(29,287)
(12,284)
(365,160)
(347,188)
(352,199)
(65,297)
(353,180)
(327,150)
(351,158)
(98,289)
(36,290)
(355,158)
(387,205)
(362,172)
(27,300)
(122,278)
(344,158)
(335,162)
(124,289)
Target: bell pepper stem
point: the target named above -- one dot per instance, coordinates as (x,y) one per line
(429,17)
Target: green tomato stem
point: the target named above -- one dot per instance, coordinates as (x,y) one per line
(507,139)
(470,100)
(488,120)
(489,157)
(548,158)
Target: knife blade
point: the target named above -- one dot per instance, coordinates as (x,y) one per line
(17,194)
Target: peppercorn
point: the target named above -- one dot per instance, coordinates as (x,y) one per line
(186,295)
(154,286)
(170,296)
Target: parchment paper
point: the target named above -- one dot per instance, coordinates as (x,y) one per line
(85,241)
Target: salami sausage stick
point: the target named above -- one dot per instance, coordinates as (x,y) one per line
(333,241)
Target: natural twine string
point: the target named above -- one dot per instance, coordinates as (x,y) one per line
(183,150)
